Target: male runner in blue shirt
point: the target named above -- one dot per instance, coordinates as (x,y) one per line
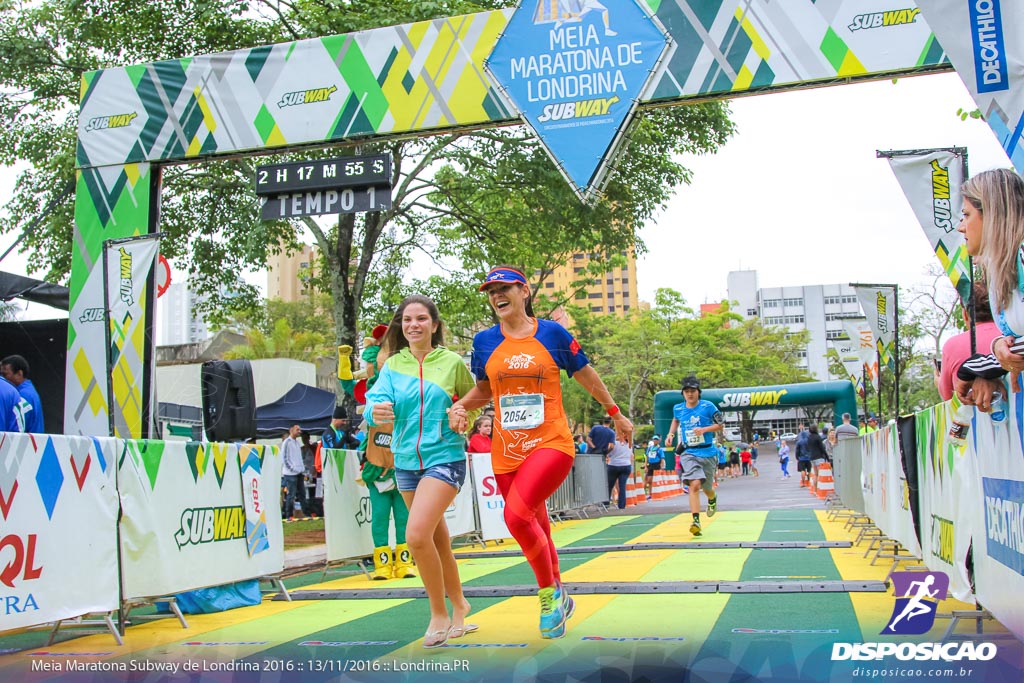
(697,421)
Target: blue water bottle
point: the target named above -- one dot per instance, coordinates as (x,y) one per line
(998,413)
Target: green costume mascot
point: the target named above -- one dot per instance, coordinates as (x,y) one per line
(378,469)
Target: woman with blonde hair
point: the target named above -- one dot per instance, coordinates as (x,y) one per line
(993,230)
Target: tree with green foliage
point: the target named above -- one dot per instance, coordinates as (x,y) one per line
(444,201)
(653,350)
(281,342)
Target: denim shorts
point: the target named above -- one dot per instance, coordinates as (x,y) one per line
(451,473)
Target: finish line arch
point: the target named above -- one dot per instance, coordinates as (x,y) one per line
(839,393)
(415,79)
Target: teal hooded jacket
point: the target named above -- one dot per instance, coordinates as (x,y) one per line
(422,393)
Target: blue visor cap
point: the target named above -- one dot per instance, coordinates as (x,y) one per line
(503,276)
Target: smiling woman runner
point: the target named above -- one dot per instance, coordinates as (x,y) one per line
(414,391)
(518,363)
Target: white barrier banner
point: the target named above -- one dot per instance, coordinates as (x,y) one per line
(347,513)
(886,495)
(999,507)
(58,537)
(947,481)
(459,515)
(489,500)
(184,520)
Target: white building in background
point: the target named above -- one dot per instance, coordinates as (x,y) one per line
(819,309)
(176,320)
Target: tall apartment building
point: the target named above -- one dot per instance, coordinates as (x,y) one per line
(288,274)
(819,309)
(176,320)
(615,293)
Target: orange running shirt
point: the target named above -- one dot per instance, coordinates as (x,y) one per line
(525,383)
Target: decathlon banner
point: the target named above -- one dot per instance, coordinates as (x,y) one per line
(885,488)
(58,537)
(985,42)
(948,495)
(879,304)
(489,501)
(184,522)
(347,511)
(931,183)
(859,331)
(999,511)
(129,275)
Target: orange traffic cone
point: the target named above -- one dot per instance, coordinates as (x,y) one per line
(826,484)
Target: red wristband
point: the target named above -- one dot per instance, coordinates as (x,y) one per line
(613,411)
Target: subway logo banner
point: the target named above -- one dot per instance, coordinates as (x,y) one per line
(347,513)
(58,500)
(129,266)
(985,42)
(931,183)
(429,77)
(186,523)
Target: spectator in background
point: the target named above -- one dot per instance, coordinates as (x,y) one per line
(15,370)
(581,443)
(957,348)
(993,230)
(601,438)
(846,430)
(655,461)
(870,426)
(815,447)
(803,456)
(12,408)
(745,458)
(480,435)
(620,466)
(291,473)
(784,459)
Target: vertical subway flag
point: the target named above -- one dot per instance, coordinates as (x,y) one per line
(129,264)
(851,360)
(864,341)
(879,304)
(575,72)
(931,183)
(984,40)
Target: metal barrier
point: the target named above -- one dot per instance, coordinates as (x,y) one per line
(590,477)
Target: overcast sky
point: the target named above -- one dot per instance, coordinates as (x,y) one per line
(797,194)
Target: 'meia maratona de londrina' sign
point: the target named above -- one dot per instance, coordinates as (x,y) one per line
(574,70)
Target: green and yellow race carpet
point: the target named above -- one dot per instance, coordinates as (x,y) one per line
(650,605)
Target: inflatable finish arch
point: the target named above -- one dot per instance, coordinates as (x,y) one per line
(840,393)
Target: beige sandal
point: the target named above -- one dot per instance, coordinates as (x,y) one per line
(459,631)
(439,638)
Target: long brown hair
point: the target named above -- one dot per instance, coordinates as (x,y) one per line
(394,341)
(999,196)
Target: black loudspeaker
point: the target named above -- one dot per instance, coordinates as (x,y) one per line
(229,400)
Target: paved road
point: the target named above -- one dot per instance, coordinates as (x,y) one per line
(765,492)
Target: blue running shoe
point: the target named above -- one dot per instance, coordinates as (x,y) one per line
(552,617)
(568,604)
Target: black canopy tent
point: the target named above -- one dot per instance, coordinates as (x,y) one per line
(20,287)
(306,406)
